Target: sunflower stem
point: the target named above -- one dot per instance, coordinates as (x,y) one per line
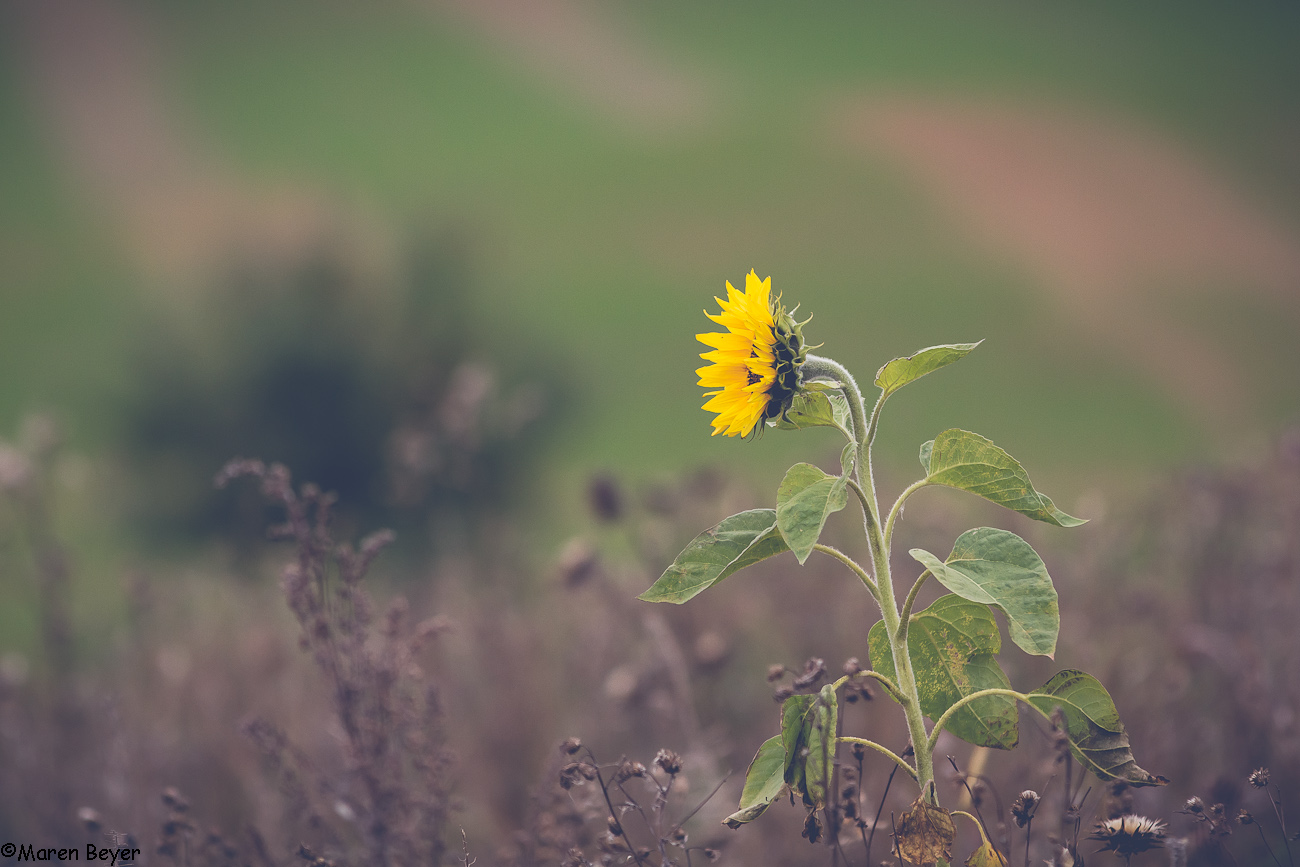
(818,367)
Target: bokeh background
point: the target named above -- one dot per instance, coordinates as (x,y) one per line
(448,257)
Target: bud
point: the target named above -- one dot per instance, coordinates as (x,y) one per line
(775,672)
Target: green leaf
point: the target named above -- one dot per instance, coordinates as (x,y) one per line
(926,448)
(899,372)
(806,498)
(1096,736)
(764,783)
(1000,568)
(815,407)
(819,728)
(793,738)
(847,456)
(953,645)
(718,552)
(969,462)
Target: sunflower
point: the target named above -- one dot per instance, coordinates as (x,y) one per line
(755,362)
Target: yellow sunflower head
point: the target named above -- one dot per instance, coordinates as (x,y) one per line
(756,362)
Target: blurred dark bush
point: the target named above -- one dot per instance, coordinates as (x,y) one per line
(368,380)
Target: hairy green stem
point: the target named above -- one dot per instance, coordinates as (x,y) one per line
(906,616)
(852,564)
(882,679)
(817,367)
(884,750)
(898,508)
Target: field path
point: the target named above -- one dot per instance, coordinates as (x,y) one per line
(587,53)
(1117,224)
(92,68)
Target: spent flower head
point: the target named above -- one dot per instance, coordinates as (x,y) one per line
(755,363)
(1129,835)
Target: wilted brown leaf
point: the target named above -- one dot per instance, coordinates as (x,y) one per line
(925,833)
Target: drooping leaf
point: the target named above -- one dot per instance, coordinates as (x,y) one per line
(847,456)
(925,833)
(820,726)
(1096,735)
(764,783)
(806,498)
(953,645)
(815,405)
(986,856)
(899,372)
(794,710)
(1000,568)
(926,448)
(969,462)
(718,552)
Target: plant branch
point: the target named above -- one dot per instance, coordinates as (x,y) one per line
(906,615)
(974,696)
(852,564)
(897,508)
(884,750)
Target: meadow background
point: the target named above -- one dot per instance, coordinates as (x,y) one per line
(448,258)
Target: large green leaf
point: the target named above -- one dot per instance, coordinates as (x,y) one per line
(899,372)
(764,783)
(953,645)
(806,498)
(967,461)
(1097,737)
(820,730)
(737,542)
(1000,568)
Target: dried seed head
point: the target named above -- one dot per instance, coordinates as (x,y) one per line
(813,672)
(614,826)
(571,775)
(712,855)
(1129,835)
(775,672)
(628,770)
(1245,818)
(1259,778)
(669,762)
(1194,805)
(570,746)
(1022,809)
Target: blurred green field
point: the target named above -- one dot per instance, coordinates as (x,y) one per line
(602,240)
